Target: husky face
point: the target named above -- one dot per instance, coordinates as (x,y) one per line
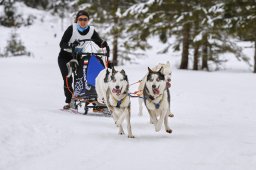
(155,82)
(118,83)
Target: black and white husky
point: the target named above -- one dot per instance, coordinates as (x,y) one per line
(156,99)
(112,88)
(166,71)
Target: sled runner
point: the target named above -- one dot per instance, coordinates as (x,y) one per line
(84,68)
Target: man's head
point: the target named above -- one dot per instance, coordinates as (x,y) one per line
(82,18)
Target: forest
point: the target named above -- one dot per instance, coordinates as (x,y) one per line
(203,30)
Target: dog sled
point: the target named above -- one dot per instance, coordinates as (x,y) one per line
(84,68)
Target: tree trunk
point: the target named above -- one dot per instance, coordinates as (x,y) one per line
(254,57)
(185,50)
(196,49)
(115,32)
(205,53)
(115,50)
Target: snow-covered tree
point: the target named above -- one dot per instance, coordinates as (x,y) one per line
(8,19)
(241,18)
(197,24)
(109,16)
(15,46)
(43,4)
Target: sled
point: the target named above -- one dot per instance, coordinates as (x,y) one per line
(84,69)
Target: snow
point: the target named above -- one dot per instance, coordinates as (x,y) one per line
(213,128)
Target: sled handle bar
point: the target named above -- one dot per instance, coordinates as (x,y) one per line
(105,54)
(84,40)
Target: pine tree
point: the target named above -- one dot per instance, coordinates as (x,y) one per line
(8,19)
(152,18)
(197,24)
(109,16)
(62,8)
(15,46)
(241,18)
(37,4)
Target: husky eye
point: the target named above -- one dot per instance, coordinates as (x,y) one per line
(158,79)
(114,80)
(151,80)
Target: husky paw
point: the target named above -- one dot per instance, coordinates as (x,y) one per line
(171,115)
(169,131)
(131,136)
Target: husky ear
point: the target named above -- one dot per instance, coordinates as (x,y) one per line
(160,71)
(149,70)
(123,73)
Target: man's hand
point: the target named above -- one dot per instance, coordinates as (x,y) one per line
(75,43)
(104,44)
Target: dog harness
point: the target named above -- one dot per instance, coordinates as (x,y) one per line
(157,105)
(119,102)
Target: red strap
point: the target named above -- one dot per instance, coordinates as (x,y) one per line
(68,86)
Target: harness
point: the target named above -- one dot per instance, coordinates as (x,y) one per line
(119,103)
(157,105)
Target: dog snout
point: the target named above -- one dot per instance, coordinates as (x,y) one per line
(117,87)
(153,86)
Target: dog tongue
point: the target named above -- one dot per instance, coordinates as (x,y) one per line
(156,91)
(117,91)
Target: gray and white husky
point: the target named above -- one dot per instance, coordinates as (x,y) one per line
(156,99)
(112,89)
(166,71)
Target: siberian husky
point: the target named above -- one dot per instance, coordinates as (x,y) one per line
(156,98)
(112,86)
(167,76)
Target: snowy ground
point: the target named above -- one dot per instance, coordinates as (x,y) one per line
(213,128)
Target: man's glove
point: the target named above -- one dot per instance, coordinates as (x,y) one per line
(75,43)
(78,50)
(104,44)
